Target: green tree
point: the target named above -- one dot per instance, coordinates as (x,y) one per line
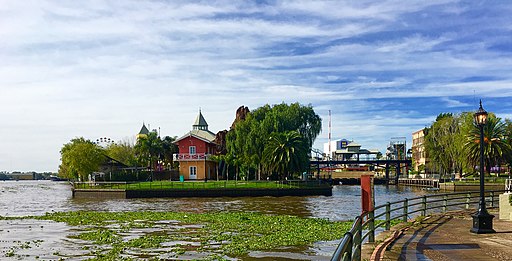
(440,142)
(168,149)
(123,152)
(80,157)
(286,153)
(496,147)
(149,149)
(246,143)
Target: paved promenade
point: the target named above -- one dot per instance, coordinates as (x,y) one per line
(447,237)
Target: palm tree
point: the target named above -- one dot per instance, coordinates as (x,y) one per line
(496,149)
(286,153)
(148,149)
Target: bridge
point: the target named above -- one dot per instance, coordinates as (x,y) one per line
(383,163)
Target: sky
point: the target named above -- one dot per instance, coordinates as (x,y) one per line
(103,68)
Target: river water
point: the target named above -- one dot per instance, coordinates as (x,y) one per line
(24,198)
(49,239)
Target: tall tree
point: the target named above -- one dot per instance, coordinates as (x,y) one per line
(168,149)
(496,147)
(247,141)
(286,153)
(80,157)
(148,149)
(123,152)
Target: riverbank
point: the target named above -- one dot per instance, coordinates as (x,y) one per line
(171,189)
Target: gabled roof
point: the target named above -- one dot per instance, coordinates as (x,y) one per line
(144,130)
(200,121)
(199,130)
(204,135)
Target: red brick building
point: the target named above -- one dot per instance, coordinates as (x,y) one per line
(195,150)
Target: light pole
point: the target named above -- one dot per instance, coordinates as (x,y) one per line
(482,220)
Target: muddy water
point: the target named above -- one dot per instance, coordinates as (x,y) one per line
(47,240)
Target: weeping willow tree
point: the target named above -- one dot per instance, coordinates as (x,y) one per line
(247,141)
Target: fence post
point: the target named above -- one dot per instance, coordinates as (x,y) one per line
(371,226)
(424,206)
(492,199)
(445,203)
(348,254)
(468,199)
(406,211)
(357,240)
(388,216)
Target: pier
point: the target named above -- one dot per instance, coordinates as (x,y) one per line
(423,183)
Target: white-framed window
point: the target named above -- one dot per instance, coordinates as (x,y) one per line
(193,170)
(192,150)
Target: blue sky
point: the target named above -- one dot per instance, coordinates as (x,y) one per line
(384,68)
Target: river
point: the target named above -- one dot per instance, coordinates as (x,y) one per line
(29,198)
(24,198)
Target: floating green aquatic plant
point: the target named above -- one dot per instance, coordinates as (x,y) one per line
(219,234)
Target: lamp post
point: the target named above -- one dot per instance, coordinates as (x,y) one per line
(482,220)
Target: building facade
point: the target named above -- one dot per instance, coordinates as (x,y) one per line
(195,151)
(419,155)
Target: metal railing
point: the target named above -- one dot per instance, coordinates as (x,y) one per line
(199,184)
(364,226)
(188,156)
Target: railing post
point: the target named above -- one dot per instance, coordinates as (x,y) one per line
(348,255)
(406,211)
(445,203)
(424,206)
(388,216)
(468,199)
(492,199)
(371,226)
(357,240)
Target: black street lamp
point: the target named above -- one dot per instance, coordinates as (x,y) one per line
(482,220)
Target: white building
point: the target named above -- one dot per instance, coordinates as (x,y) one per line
(344,149)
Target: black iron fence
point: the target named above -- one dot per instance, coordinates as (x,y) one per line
(365,226)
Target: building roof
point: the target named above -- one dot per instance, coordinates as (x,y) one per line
(199,130)
(204,135)
(200,122)
(144,130)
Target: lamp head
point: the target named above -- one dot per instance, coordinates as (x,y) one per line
(480,115)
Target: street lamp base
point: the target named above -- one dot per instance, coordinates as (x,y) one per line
(482,223)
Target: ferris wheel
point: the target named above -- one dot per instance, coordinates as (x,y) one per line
(104,142)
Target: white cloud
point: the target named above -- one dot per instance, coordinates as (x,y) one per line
(101,68)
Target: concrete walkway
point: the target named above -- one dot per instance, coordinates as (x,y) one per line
(447,237)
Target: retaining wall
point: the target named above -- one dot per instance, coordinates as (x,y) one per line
(180,193)
(469,187)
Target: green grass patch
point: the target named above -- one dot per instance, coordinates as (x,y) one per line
(190,185)
(219,234)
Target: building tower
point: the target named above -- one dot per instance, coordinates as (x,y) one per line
(143,132)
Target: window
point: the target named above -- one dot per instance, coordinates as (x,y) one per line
(192,150)
(193,170)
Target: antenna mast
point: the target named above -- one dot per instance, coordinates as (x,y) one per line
(330,153)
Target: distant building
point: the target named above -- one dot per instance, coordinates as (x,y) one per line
(195,151)
(419,155)
(344,149)
(143,132)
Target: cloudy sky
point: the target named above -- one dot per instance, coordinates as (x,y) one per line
(100,69)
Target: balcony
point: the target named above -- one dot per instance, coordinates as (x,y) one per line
(191,157)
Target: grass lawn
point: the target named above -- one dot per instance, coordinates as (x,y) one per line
(188,185)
